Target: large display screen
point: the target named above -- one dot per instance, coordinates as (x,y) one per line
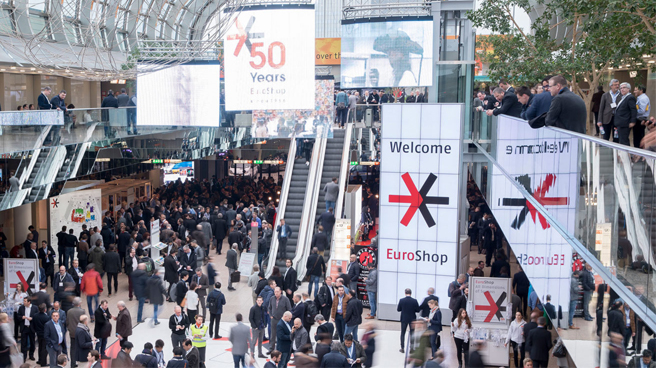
(419,181)
(181,95)
(282,123)
(387,54)
(269,59)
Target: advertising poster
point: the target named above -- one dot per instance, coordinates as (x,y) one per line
(419,185)
(193,90)
(21,271)
(544,163)
(367,255)
(328,51)
(74,210)
(342,236)
(269,66)
(283,123)
(490,298)
(387,53)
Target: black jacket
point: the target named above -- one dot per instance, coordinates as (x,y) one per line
(520,283)
(220,227)
(50,265)
(616,322)
(155,290)
(568,111)
(217,296)
(43,102)
(84,344)
(334,360)
(626,112)
(180,291)
(193,357)
(139,279)
(38,323)
(102,318)
(177,362)
(408,307)
(173,322)
(509,106)
(324,297)
(290,280)
(235,237)
(425,309)
(539,344)
(109,101)
(353,316)
(33,312)
(354,271)
(170,270)
(320,241)
(256,317)
(112,262)
(315,265)
(587,280)
(327,327)
(190,260)
(56,102)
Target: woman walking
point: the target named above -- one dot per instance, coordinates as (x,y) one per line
(434,324)
(516,337)
(460,328)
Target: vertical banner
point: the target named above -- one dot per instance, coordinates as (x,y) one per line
(269,58)
(367,255)
(74,210)
(419,183)
(342,236)
(21,271)
(545,163)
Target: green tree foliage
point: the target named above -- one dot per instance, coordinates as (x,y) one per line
(579,39)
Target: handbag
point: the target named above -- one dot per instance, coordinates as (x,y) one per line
(307,276)
(235,276)
(106,330)
(16,358)
(184,302)
(559,350)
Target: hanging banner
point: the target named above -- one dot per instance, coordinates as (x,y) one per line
(269,58)
(545,163)
(419,182)
(328,51)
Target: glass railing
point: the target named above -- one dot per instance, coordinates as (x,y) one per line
(566,202)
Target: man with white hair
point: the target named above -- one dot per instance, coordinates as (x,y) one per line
(123,323)
(625,113)
(607,107)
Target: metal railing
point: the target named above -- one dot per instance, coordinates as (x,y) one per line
(343,180)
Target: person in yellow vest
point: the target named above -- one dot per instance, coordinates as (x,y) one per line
(198,334)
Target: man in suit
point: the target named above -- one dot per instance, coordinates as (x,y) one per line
(353,316)
(320,241)
(274,359)
(73,318)
(503,84)
(539,343)
(334,359)
(330,193)
(284,338)
(607,107)
(54,338)
(123,358)
(299,335)
(58,102)
(47,257)
(278,306)
(93,357)
(290,279)
(298,311)
(323,327)
(232,264)
(520,285)
(61,280)
(240,338)
(44,100)
(30,248)
(26,314)
(284,232)
(425,308)
(327,221)
(509,104)
(567,110)
(324,299)
(541,101)
(408,307)
(626,113)
(316,267)
(83,340)
(171,267)
(203,284)
(220,227)
(187,259)
(456,289)
(353,270)
(123,99)
(39,325)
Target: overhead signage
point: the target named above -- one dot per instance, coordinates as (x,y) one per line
(269,66)
(419,169)
(545,164)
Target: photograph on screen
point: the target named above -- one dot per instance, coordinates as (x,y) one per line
(282,123)
(179,95)
(387,54)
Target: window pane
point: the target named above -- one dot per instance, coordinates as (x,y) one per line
(37,23)
(6,26)
(71,35)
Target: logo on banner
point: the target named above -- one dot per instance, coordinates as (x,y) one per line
(366,257)
(418,199)
(493,308)
(540,194)
(28,285)
(244,36)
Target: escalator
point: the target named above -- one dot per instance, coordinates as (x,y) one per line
(331,168)
(40,160)
(294,210)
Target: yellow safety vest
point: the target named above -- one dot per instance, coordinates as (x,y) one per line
(198,342)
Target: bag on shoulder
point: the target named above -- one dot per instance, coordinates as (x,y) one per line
(310,312)
(172,292)
(184,302)
(559,350)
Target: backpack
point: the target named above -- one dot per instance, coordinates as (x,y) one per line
(149,265)
(310,312)
(211,302)
(172,292)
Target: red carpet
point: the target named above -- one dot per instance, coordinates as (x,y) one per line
(372,233)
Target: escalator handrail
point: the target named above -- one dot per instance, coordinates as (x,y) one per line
(603,271)
(343,180)
(306,227)
(280,213)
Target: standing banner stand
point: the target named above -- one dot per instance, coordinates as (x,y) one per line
(490,309)
(23,271)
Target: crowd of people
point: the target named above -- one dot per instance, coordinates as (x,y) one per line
(355,104)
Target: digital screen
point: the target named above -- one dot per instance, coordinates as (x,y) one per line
(269,59)
(282,123)
(387,54)
(180,95)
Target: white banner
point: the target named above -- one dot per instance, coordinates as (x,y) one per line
(420,169)
(490,298)
(545,163)
(269,59)
(342,235)
(21,271)
(74,210)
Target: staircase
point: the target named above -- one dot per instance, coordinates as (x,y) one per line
(331,165)
(294,210)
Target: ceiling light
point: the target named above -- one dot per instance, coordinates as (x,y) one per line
(40,71)
(610,68)
(646,56)
(2,70)
(32,68)
(22,71)
(638,63)
(652,61)
(13,67)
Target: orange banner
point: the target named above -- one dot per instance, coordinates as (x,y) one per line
(328,51)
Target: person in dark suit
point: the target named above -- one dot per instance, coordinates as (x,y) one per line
(503,84)
(434,319)
(539,343)
(567,109)
(58,102)
(616,319)
(103,327)
(171,267)
(316,267)
(47,257)
(324,299)
(521,284)
(408,307)
(353,270)
(625,113)
(83,340)
(607,105)
(112,266)
(290,279)
(192,354)
(231,264)
(327,221)
(274,359)
(425,308)
(324,327)
(44,100)
(188,259)
(475,357)
(492,239)
(123,358)
(54,338)
(26,314)
(39,325)
(320,240)
(220,227)
(298,311)
(334,359)
(509,104)
(284,232)
(284,338)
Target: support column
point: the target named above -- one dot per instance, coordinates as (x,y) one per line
(22,220)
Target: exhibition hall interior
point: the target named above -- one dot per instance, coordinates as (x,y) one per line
(327,183)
